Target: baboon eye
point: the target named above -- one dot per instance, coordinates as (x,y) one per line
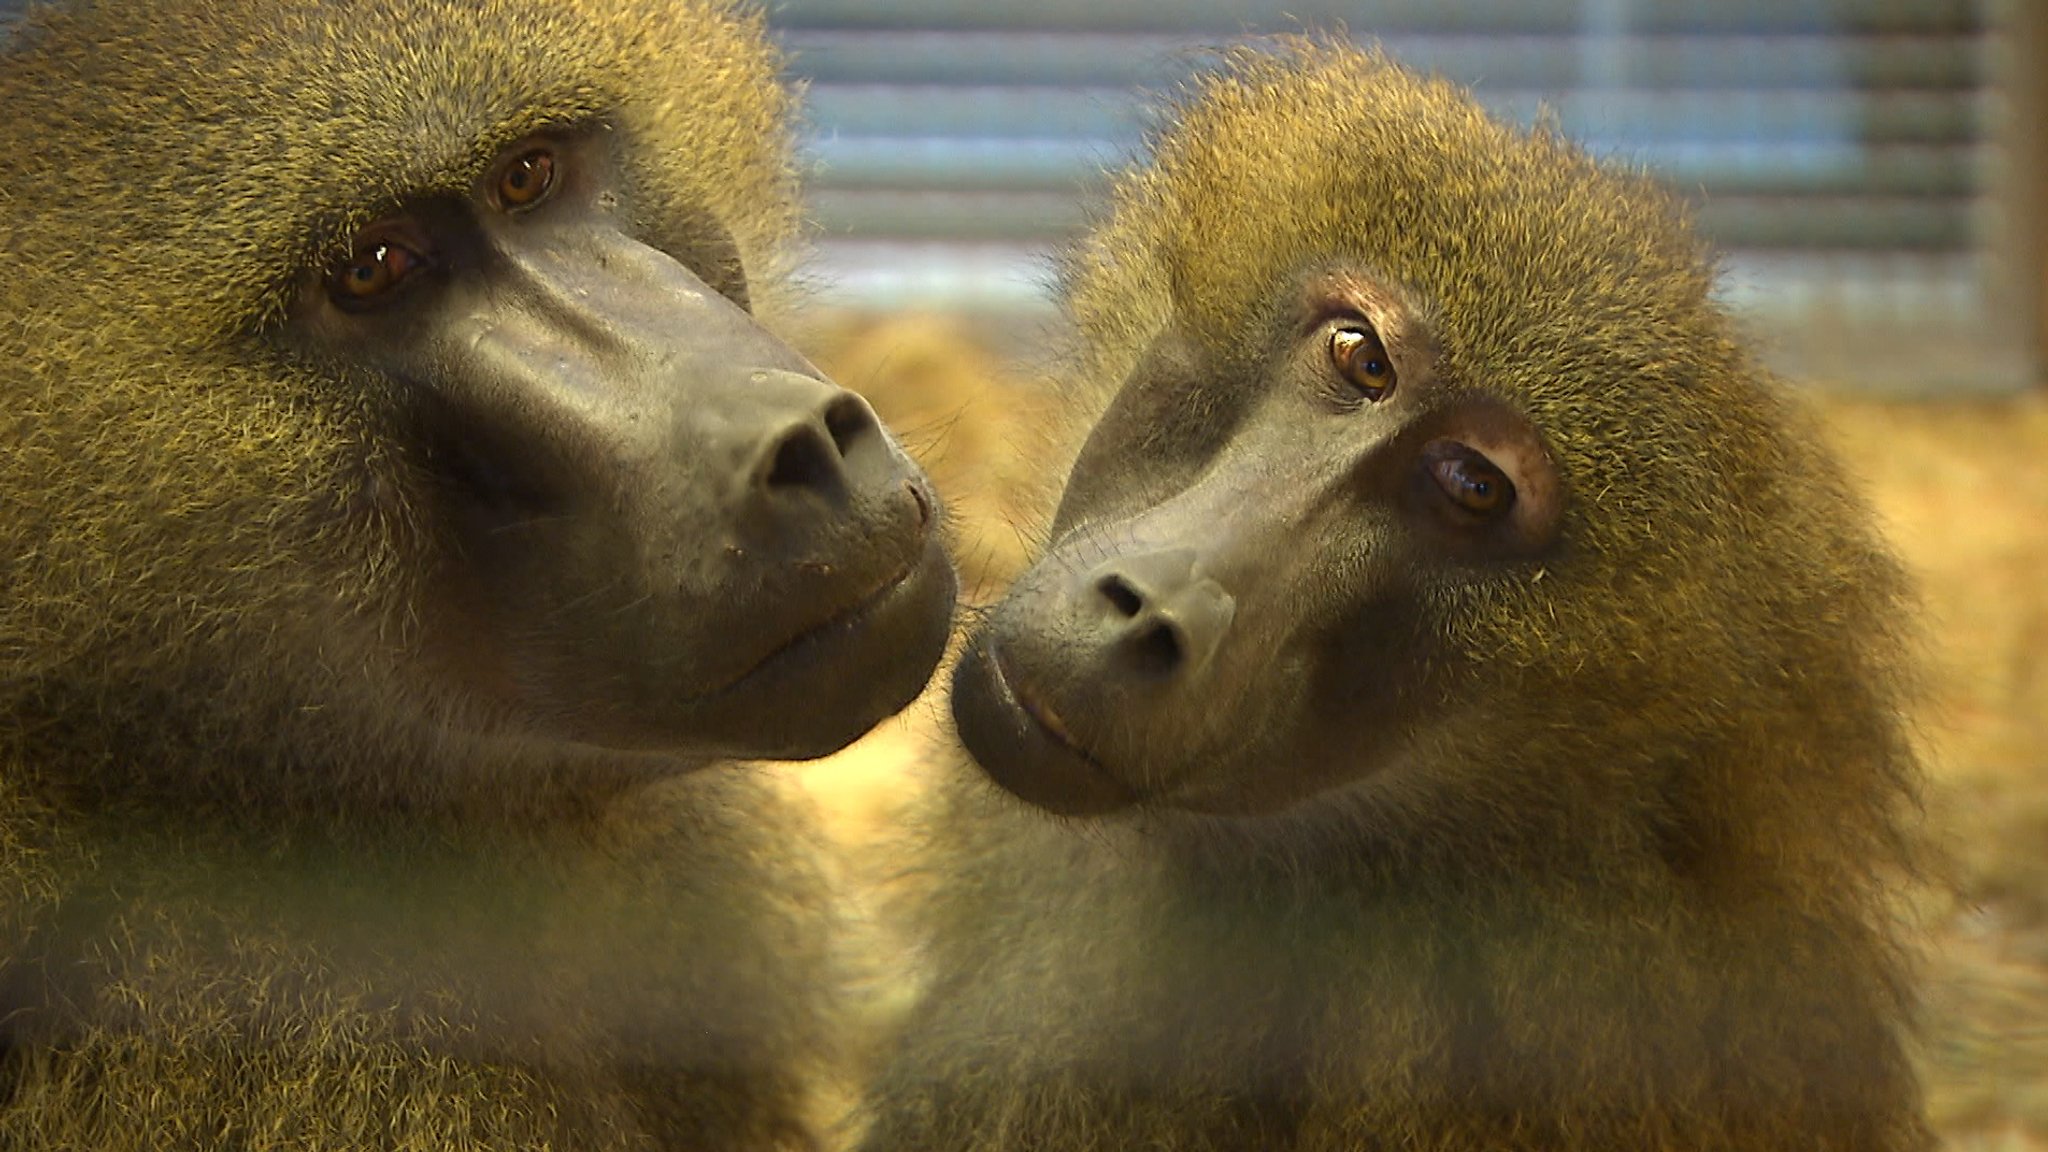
(525,180)
(373,271)
(1359,357)
(1468,478)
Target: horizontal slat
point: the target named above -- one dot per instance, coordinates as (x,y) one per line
(1620,118)
(960,163)
(1645,118)
(981,164)
(1910,284)
(1388,17)
(894,273)
(1760,222)
(877,109)
(919,56)
(1868,223)
(1028,217)
(1141,59)
(1841,169)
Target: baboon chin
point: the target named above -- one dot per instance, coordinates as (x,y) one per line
(405,491)
(1458,705)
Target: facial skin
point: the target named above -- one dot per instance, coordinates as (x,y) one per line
(1240,561)
(664,529)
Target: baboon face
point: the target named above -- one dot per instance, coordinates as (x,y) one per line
(384,395)
(663,528)
(1234,611)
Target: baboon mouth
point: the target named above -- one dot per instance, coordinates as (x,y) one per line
(1042,713)
(1036,709)
(811,694)
(918,579)
(1049,766)
(843,623)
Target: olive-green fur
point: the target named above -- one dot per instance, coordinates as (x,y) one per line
(1642,892)
(258,888)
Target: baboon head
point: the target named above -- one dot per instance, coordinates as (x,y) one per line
(398,363)
(1423,453)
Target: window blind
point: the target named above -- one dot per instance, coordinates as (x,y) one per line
(1849,157)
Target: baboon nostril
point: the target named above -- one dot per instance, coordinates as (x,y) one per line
(804,460)
(1160,618)
(849,420)
(1119,593)
(1157,649)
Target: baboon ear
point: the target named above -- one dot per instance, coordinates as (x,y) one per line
(1487,470)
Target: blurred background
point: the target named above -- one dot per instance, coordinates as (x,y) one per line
(1872,168)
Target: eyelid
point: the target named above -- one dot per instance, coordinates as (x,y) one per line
(1336,314)
(1383,307)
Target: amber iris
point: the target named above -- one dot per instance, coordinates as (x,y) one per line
(525,180)
(1359,357)
(1469,479)
(375,269)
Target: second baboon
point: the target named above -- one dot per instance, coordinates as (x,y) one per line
(406,518)
(1458,705)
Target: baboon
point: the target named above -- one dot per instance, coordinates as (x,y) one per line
(404,512)
(971,422)
(1457,704)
